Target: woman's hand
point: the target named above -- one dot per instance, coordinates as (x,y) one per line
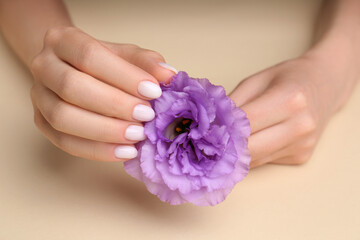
(289,105)
(90,97)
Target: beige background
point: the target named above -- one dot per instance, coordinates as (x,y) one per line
(47,194)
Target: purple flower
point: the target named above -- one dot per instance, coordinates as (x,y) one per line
(196,149)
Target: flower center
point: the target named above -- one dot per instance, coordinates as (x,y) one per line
(177,127)
(182,126)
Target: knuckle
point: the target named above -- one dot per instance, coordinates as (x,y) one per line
(298,100)
(86,53)
(33,92)
(55,116)
(52,36)
(61,142)
(66,144)
(309,143)
(131,47)
(307,125)
(114,109)
(66,83)
(301,159)
(95,153)
(39,123)
(118,108)
(153,54)
(108,132)
(37,64)
(102,133)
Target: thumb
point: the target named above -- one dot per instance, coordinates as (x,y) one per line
(148,60)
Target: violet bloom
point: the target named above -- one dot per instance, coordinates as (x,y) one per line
(196,149)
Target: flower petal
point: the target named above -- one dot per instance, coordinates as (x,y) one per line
(203,163)
(164,193)
(204,198)
(147,162)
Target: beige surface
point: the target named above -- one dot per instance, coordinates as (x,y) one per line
(47,194)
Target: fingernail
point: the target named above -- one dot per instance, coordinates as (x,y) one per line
(149,89)
(126,152)
(169,67)
(135,133)
(143,113)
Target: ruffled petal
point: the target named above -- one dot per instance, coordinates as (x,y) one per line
(164,193)
(188,165)
(164,103)
(147,162)
(203,124)
(132,167)
(205,198)
(226,164)
(174,182)
(198,162)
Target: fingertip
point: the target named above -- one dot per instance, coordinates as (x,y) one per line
(168,67)
(149,89)
(125,152)
(143,113)
(164,72)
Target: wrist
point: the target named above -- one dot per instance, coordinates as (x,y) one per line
(339,32)
(339,29)
(337,59)
(339,52)
(35,43)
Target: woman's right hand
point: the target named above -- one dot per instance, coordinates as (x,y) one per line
(90,97)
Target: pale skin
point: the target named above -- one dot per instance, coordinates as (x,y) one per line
(78,78)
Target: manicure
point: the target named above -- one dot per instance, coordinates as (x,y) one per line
(135,133)
(168,66)
(149,89)
(143,113)
(125,152)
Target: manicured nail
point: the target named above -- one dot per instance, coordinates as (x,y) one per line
(149,89)
(126,152)
(135,133)
(143,113)
(169,67)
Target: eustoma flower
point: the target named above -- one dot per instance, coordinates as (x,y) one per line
(196,149)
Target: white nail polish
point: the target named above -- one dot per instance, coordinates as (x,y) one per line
(149,89)
(126,152)
(143,113)
(135,133)
(168,66)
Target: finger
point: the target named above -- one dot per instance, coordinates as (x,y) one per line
(84,148)
(150,61)
(268,141)
(83,90)
(300,151)
(260,162)
(283,153)
(271,140)
(251,87)
(70,119)
(282,159)
(298,131)
(265,111)
(271,107)
(297,151)
(90,56)
(294,160)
